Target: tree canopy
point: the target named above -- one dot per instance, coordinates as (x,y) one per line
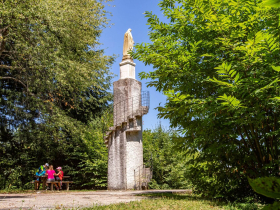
(217,63)
(50,54)
(54,87)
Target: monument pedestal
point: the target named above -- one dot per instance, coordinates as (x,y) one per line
(127,69)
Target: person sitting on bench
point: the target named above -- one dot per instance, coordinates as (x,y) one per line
(51,173)
(41,172)
(59,177)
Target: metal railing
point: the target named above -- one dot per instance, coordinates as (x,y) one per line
(142,176)
(130,107)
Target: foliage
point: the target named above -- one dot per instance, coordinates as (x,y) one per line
(216,61)
(91,172)
(175,201)
(272,3)
(169,168)
(267,186)
(80,151)
(54,82)
(53,59)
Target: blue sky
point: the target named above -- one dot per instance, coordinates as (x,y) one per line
(129,14)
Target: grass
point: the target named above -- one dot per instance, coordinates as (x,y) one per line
(164,201)
(161,201)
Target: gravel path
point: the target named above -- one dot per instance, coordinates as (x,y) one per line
(59,200)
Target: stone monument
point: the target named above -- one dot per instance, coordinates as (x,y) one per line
(124,139)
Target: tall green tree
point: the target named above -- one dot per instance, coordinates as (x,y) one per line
(50,55)
(169,167)
(54,85)
(216,62)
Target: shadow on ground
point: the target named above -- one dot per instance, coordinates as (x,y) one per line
(178,195)
(11,197)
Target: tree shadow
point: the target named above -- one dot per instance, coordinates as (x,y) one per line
(14,196)
(170,195)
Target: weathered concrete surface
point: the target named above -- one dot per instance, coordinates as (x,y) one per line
(127,99)
(116,160)
(59,200)
(134,154)
(125,147)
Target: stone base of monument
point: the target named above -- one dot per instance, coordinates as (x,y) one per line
(127,69)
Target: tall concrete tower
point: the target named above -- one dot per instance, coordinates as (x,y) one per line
(124,139)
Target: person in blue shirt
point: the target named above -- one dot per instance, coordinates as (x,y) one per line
(41,172)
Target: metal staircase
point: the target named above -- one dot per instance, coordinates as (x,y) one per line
(128,109)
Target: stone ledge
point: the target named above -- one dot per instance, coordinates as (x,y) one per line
(138,128)
(127,61)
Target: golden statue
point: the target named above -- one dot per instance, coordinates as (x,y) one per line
(127,44)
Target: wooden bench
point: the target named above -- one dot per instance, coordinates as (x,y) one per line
(63,182)
(54,182)
(35,183)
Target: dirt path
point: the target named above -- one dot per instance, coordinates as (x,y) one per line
(58,200)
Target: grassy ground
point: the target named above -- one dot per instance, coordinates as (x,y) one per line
(164,201)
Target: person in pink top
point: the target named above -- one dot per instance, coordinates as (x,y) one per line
(50,174)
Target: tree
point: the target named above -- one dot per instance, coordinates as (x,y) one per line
(54,83)
(215,62)
(50,54)
(169,168)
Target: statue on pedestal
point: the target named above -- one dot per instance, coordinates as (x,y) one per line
(127,44)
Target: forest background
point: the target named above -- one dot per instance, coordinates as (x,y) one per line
(56,103)
(216,61)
